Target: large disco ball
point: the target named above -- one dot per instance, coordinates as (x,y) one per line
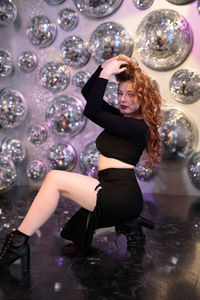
(14,149)
(64,116)
(62,157)
(67,19)
(54,76)
(110,39)
(75,52)
(178,134)
(164,39)
(13,108)
(8,12)
(194,169)
(111,94)
(6,63)
(79,79)
(41,31)
(36,170)
(89,158)
(27,61)
(185,86)
(180,1)
(143,171)
(97,8)
(37,134)
(143,4)
(7,173)
(54,2)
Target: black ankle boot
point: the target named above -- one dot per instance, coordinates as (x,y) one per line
(132,229)
(15,247)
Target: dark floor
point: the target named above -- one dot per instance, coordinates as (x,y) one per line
(169,269)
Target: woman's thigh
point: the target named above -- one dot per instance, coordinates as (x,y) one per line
(77,187)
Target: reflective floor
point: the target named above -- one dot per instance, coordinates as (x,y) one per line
(168,269)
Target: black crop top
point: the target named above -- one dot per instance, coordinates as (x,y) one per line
(124,138)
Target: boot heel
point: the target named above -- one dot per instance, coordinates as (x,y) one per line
(26,262)
(146,223)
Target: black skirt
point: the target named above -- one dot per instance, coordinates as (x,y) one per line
(119,199)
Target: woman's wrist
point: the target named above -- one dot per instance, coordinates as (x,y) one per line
(105,74)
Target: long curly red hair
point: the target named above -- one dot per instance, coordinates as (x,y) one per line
(150,108)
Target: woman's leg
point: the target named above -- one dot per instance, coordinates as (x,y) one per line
(77,187)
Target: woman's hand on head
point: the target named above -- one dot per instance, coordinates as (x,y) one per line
(113,66)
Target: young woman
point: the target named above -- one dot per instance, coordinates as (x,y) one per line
(115,196)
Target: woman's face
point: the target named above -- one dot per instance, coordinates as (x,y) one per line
(128,102)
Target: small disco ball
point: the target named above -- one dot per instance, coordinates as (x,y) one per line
(75,51)
(37,134)
(8,12)
(143,4)
(164,39)
(111,94)
(97,8)
(178,135)
(36,170)
(13,108)
(7,173)
(143,171)
(6,63)
(14,149)
(108,40)
(62,157)
(79,79)
(41,31)
(67,19)
(54,76)
(194,169)
(89,158)
(64,116)
(185,86)
(27,61)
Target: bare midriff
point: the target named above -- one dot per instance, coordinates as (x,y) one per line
(107,162)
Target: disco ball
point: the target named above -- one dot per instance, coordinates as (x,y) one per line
(143,4)
(8,12)
(54,76)
(54,2)
(164,39)
(178,134)
(143,171)
(62,157)
(79,79)
(6,63)
(194,169)
(97,8)
(198,6)
(41,31)
(13,108)
(37,134)
(27,61)
(14,149)
(110,39)
(64,116)
(67,19)
(36,170)
(180,1)
(89,158)
(75,52)
(7,173)
(111,94)
(185,86)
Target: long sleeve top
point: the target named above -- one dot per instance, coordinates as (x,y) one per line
(123,138)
